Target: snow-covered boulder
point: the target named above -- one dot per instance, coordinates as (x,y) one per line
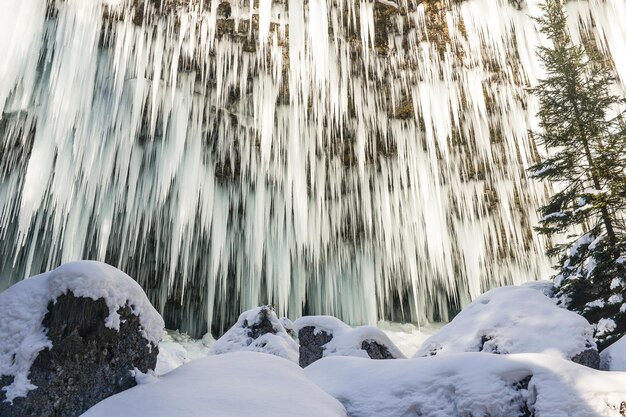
(613,358)
(232,385)
(71,337)
(516,320)
(321,336)
(258,330)
(471,384)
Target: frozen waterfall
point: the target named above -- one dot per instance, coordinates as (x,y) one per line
(359,158)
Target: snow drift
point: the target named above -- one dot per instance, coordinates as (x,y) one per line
(471,384)
(230,385)
(514,320)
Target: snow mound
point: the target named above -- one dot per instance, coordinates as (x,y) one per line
(258,330)
(171,356)
(347,341)
(545,287)
(513,320)
(231,385)
(470,384)
(24,306)
(613,358)
(177,349)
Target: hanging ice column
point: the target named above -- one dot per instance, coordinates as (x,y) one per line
(356,158)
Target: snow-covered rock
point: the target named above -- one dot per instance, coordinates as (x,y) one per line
(516,320)
(321,336)
(471,384)
(258,330)
(613,358)
(231,385)
(70,337)
(288,325)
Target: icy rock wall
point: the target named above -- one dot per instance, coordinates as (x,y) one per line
(355,158)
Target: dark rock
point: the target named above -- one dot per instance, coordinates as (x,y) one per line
(224,9)
(375,350)
(525,409)
(87,363)
(312,345)
(258,330)
(589,357)
(263,326)
(313,341)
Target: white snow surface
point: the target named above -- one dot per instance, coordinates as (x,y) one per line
(616,283)
(408,337)
(513,320)
(171,356)
(237,338)
(545,287)
(613,358)
(347,340)
(287,324)
(596,303)
(465,384)
(605,326)
(24,306)
(231,385)
(177,349)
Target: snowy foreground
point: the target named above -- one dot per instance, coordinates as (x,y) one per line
(476,384)
(455,380)
(511,353)
(462,384)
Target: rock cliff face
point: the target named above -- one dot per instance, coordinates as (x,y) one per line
(227,153)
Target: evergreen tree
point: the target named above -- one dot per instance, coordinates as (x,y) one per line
(583,126)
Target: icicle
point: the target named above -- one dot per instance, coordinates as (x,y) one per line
(366,161)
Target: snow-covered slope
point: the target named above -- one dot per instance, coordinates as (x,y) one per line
(24,305)
(236,384)
(513,320)
(470,384)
